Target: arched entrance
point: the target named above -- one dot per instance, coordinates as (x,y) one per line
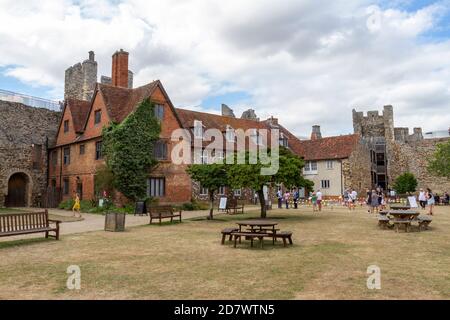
(18,185)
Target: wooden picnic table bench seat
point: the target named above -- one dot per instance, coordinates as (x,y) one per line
(249,235)
(383,221)
(233,207)
(405,222)
(285,235)
(424,221)
(163,212)
(227,232)
(27,223)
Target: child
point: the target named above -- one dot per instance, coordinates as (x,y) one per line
(76,207)
(314,201)
(287,196)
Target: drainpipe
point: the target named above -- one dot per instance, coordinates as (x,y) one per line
(60,171)
(342,179)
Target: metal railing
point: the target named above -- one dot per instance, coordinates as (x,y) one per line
(29,100)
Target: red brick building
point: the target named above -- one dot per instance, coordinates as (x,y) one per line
(77,154)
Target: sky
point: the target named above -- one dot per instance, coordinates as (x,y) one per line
(304,62)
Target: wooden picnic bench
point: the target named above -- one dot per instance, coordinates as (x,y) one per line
(383,221)
(234,207)
(424,221)
(163,212)
(249,235)
(227,232)
(26,223)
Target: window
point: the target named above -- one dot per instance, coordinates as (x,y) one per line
(66,126)
(325,184)
(205,157)
(198,129)
(330,164)
(54,157)
(221,191)
(66,186)
(237,192)
(256,137)
(283,140)
(98,150)
(203,191)
(97,116)
(160,150)
(159,111)
(67,155)
(156,187)
(311,167)
(82,149)
(230,134)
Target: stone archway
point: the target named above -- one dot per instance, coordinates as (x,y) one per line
(19,190)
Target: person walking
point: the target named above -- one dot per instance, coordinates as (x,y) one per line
(353,197)
(430,201)
(346,197)
(319,200)
(422,199)
(369,200)
(375,202)
(314,201)
(296,198)
(287,197)
(77,207)
(280,198)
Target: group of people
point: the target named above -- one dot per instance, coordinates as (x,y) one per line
(375,200)
(350,196)
(288,197)
(427,198)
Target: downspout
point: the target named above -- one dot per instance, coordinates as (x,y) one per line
(60,171)
(342,179)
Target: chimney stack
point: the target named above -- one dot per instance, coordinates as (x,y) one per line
(120,69)
(316,134)
(91,56)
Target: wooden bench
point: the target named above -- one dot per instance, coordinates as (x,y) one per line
(27,223)
(233,206)
(163,212)
(285,235)
(405,222)
(249,235)
(227,232)
(383,221)
(424,221)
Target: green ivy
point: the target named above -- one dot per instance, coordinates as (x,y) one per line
(128,148)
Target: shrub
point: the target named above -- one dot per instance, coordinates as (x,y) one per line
(67,204)
(405,183)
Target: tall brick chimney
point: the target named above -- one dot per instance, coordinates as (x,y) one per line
(120,69)
(316,134)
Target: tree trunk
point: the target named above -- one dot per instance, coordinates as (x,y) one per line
(262,202)
(211,205)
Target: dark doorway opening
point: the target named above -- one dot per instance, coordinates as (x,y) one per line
(17,190)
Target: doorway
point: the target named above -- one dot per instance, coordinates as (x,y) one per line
(17,190)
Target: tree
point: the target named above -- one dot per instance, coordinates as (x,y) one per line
(210,176)
(128,148)
(249,175)
(440,162)
(405,183)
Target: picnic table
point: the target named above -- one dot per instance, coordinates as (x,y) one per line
(399,207)
(260,226)
(404,217)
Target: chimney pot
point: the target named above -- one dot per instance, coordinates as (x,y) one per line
(120,69)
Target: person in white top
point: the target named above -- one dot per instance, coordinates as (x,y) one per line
(353,197)
(422,199)
(319,199)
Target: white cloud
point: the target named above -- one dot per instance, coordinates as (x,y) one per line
(306,62)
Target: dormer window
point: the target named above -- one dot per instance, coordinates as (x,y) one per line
(230,134)
(284,140)
(198,129)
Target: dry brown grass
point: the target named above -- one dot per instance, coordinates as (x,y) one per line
(186,261)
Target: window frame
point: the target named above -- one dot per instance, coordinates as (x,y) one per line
(66,126)
(66,157)
(66,186)
(97,120)
(165,150)
(98,153)
(82,149)
(330,164)
(160,183)
(159,111)
(325,184)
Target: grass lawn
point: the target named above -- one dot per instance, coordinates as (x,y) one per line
(329,260)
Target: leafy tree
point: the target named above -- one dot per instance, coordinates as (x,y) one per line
(249,175)
(128,148)
(405,183)
(104,180)
(211,176)
(440,162)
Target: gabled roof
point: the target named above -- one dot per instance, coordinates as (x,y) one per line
(79,110)
(338,147)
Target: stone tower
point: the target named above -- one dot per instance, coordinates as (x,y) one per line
(80,79)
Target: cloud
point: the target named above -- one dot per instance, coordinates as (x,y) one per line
(306,62)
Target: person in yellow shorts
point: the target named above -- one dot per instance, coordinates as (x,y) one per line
(76,207)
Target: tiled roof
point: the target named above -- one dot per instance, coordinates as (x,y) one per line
(120,102)
(79,110)
(338,147)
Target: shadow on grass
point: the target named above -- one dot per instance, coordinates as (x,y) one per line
(22,242)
